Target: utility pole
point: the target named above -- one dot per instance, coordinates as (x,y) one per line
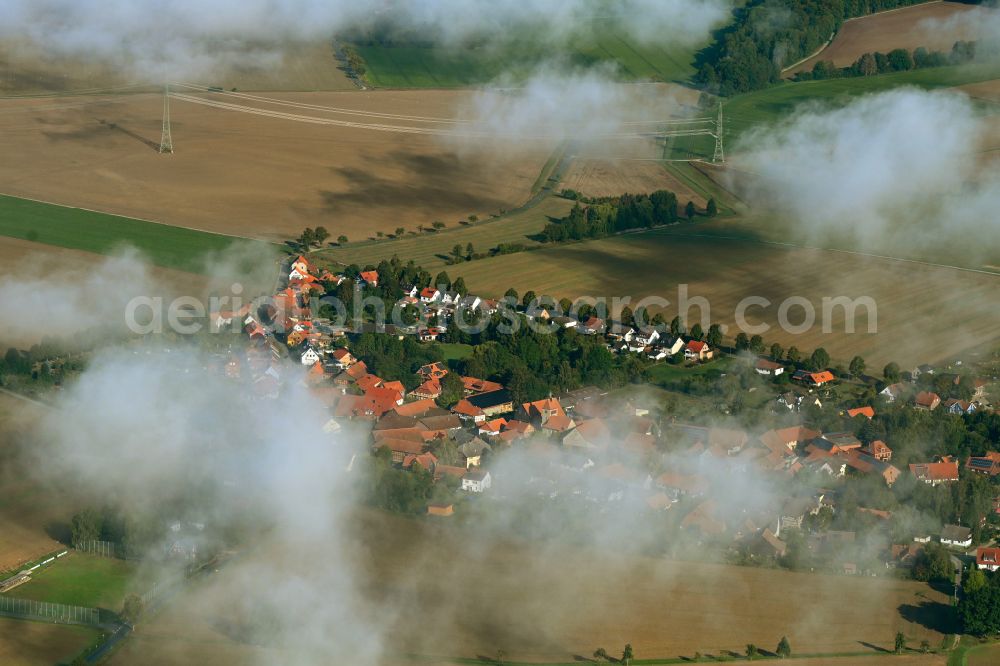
(719,157)
(166,143)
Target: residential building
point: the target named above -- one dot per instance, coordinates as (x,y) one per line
(988,558)
(934,473)
(956,535)
(477,481)
(927,400)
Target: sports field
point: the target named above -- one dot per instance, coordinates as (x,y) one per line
(79,579)
(471,599)
(26,643)
(933,25)
(909,297)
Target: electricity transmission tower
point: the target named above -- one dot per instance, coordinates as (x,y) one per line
(166,143)
(719,157)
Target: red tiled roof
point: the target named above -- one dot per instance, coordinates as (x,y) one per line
(988,557)
(558,423)
(401,445)
(476,385)
(927,399)
(821,377)
(367,382)
(466,408)
(937,471)
(416,407)
(371,277)
(430,388)
(696,346)
(864,411)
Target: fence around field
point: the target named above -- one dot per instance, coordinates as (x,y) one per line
(106,549)
(48,612)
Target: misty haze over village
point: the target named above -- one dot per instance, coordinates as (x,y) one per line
(576,331)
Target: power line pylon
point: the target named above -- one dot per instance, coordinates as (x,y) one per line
(719,157)
(166,143)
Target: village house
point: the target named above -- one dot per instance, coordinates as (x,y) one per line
(988,559)
(310,356)
(474,385)
(343,358)
(592,434)
(866,411)
(814,379)
(988,463)
(927,400)
(472,452)
(429,390)
(641,340)
(893,392)
(432,371)
(492,428)
(697,350)
(429,295)
(956,535)
(477,481)
(492,403)
(768,368)
(466,411)
(430,334)
(934,473)
(878,450)
(956,406)
(369,278)
(592,326)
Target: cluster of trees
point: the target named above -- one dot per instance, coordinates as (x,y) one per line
(613,214)
(767,35)
(979,607)
(317,236)
(109,524)
(897,60)
(354,61)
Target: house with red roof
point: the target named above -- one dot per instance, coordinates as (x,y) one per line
(467,411)
(988,463)
(988,559)
(697,350)
(539,412)
(343,358)
(300,269)
(927,400)
(432,371)
(474,385)
(369,278)
(934,473)
(878,450)
(430,389)
(866,411)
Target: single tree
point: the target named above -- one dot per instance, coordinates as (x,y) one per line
(473,218)
(777,352)
(857,366)
(132,608)
(757,345)
(438,224)
(627,654)
(742,341)
(793,355)
(690,210)
(711,208)
(341,239)
(601,653)
(528,298)
(469,251)
(457,251)
(676,327)
(891,372)
(400,231)
(714,338)
(925,646)
(751,651)
(900,644)
(697,332)
(459,286)
(442,281)
(380,234)
(784,648)
(626,316)
(320,234)
(820,359)
(511,295)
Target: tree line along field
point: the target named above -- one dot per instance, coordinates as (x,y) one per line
(907,28)
(910,297)
(588,599)
(410,66)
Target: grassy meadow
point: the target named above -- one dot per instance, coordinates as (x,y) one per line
(102,233)
(421,66)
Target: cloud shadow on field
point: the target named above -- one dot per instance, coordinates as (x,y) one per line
(429,181)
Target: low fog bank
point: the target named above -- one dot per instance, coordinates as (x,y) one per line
(160,41)
(891,172)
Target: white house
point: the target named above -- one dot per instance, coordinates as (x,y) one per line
(672,346)
(429,295)
(956,535)
(309,356)
(768,368)
(476,481)
(892,392)
(469,302)
(642,340)
(450,297)
(988,558)
(410,290)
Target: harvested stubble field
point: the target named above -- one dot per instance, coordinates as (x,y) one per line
(244,170)
(25,643)
(933,25)
(579,600)
(925,313)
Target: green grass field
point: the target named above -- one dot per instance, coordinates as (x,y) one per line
(409,66)
(79,229)
(80,580)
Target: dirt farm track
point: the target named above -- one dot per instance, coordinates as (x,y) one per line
(264,168)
